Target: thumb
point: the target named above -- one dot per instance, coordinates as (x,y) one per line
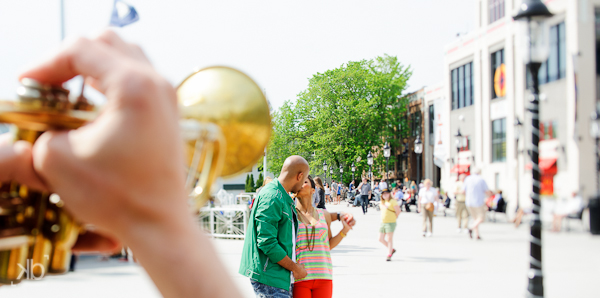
(16,163)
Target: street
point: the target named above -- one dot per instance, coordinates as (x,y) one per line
(446,265)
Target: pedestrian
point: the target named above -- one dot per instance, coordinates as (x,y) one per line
(383,185)
(344,192)
(327,193)
(321,193)
(265,182)
(428,196)
(389,214)
(376,192)
(365,189)
(407,199)
(399,196)
(352,185)
(314,243)
(339,193)
(476,190)
(269,254)
(334,191)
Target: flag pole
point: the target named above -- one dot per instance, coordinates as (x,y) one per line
(62,20)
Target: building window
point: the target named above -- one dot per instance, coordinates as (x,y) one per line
(496,10)
(462,86)
(466,143)
(497,59)
(499,140)
(555,68)
(416,123)
(547,130)
(431,125)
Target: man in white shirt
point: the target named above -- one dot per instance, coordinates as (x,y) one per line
(476,190)
(427,198)
(383,185)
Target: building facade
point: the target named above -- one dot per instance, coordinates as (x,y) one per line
(409,164)
(485,83)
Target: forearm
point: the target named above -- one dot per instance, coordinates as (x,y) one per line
(334,241)
(173,251)
(288,264)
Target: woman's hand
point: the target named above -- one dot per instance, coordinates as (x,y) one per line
(346,227)
(348,218)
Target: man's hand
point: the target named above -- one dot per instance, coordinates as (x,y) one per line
(124,172)
(300,272)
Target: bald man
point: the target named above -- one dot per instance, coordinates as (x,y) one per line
(269,247)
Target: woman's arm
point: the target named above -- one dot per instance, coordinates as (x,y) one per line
(397,210)
(334,241)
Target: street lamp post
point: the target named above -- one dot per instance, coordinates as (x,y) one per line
(418,151)
(353,168)
(370,162)
(325,170)
(386,153)
(535,49)
(459,144)
(518,128)
(331,173)
(594,203)
(341,174)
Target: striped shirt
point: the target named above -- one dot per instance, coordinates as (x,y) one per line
(318,261)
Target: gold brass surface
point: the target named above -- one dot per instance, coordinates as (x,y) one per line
(48,232)
(232,101)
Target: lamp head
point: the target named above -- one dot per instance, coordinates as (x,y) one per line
(386,150)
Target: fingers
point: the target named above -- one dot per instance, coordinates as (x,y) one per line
(96,242)
(113,40)
(16,164)
(82,57)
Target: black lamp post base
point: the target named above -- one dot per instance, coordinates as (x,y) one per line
(536,284)
(594,206)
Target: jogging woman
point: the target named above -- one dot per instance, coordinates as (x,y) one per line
(314,242)
(389,213)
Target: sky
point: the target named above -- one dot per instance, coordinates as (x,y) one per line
(280,44)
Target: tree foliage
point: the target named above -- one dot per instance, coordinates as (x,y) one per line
(259,181)
(342,115)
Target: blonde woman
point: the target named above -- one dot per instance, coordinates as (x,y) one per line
(389,214)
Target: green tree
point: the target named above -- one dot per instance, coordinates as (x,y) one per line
(259,181)
(251,183)
(342,115)
(248,187)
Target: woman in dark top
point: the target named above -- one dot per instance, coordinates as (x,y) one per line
(320,193)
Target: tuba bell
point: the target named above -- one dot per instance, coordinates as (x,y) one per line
(225,125)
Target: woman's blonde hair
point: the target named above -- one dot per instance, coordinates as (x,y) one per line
(267,180)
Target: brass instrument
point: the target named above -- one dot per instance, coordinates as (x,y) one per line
(225,124)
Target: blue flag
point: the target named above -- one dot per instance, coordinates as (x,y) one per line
(123,14)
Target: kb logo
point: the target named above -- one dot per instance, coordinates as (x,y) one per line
(31,270)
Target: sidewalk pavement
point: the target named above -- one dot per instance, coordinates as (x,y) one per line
(446,265)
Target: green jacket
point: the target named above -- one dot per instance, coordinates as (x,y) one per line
(269,237)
